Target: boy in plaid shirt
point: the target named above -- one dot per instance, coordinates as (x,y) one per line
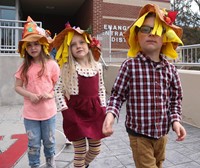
(151,87)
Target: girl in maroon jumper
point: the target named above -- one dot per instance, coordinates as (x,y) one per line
(80,92)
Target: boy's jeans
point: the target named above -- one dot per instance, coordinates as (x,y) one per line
(40,131)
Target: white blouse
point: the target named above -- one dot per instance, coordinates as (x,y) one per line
(73,89)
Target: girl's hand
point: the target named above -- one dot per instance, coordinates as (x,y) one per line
(34,98)
(46,96)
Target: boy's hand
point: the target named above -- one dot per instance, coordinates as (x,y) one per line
(108,124)
(180,131)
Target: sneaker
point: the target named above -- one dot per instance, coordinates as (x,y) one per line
(67,143)
(50,162)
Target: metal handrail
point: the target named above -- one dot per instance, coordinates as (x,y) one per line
(188,54)
(10,34)
(19,21)
(189,46)
(11,31)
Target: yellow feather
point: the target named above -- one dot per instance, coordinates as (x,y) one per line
(172,37)
(69,37)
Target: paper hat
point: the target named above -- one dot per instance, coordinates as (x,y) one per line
(32,33)
(63,40)
(165,19)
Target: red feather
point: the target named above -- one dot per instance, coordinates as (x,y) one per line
(67,25)
(172,15)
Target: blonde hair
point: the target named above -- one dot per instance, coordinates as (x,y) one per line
(68,71)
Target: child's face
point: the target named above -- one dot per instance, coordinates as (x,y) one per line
(148,42)
(79,47)
(34,49)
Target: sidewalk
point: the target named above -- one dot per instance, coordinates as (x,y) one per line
(115,152)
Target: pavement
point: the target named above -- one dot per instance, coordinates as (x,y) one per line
(115,152)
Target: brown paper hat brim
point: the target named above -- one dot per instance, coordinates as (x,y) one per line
(61,36)
(32,38)
(154,8)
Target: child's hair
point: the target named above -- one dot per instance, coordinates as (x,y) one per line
(150,14)
(27,63)
(68,71)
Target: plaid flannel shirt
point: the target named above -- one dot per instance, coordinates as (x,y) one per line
(153,95)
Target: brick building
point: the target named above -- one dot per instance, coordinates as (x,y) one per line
(114,15)
(101,15)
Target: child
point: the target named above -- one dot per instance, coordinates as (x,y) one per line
(151,87)
(35,81)
(80,92)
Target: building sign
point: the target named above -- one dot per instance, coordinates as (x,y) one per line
(116,32)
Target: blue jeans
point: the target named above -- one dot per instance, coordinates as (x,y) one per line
(38,132)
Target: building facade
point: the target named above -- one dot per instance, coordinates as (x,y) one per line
(104,16)
(113,16)
(108,19)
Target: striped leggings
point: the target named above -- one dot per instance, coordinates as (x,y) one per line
(85,150)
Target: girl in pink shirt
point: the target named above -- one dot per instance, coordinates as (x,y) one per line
(35,81)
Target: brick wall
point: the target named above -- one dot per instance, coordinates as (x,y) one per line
(118,18)
(84,16)
(104,14)
(97,16)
